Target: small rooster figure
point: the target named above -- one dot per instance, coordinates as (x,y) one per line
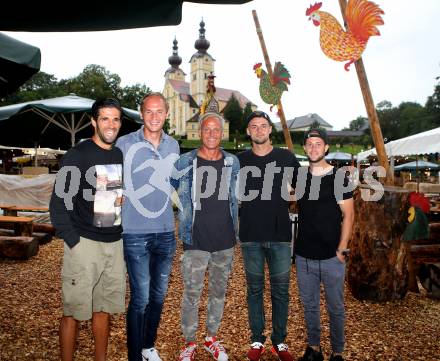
(418,225)
(362,18)
(210,104)
(272,89)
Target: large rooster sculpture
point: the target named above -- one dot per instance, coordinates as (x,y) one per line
(418,224)
(362,18)
(272,89)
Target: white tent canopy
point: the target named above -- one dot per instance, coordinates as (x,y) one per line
(421,143)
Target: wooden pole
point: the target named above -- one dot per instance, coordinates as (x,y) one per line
(286,132)
(376,132)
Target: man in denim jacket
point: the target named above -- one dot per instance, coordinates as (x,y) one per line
(206,180)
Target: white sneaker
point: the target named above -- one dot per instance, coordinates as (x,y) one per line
(150,354)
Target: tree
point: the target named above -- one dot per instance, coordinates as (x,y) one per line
(389,120)
(40,86)
(433,106)
(94,82)
(132,95)
(384,105)
(246,112)
(315,124)
(358,124)
(234,114)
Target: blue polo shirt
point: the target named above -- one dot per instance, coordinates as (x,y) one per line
(147,206)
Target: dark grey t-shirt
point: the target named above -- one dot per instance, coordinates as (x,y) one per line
(213,229)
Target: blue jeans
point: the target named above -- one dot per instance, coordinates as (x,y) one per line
(148,258)
(277,256)
(331,272)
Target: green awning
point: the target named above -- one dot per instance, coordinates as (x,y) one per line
(55,122)
(18,62)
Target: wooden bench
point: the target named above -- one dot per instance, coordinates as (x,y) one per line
(23,226)
(10,210)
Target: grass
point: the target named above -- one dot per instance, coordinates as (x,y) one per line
(297,148)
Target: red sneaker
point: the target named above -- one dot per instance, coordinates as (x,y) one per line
(215,348)
(282,351)
(188,351)
(255,351)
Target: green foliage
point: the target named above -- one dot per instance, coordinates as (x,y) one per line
(133,94)
(246,112)
(93,82)
(358,123)
(234,114)
(166,125)
(315,124)
(433,106)
(40,86)
(403,120)
(406,119)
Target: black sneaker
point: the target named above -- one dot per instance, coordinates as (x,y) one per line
(311,355)
(335,358)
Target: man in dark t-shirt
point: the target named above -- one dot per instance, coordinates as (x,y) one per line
(85,209)
(208,217)
(325,215)
(266,232)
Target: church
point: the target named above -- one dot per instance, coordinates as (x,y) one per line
(185,98)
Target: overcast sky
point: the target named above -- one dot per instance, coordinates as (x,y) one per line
(401,64)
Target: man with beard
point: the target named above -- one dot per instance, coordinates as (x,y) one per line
(84,211)
(266,232)
(325,213)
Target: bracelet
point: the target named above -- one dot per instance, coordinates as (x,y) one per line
(343,251)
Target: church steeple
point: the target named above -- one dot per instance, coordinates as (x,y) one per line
(174,72)
(202,64)
(201,44)
(175,60)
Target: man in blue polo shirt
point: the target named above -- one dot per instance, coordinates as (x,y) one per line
(148,224)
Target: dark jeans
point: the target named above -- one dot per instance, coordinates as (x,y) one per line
(277,256)
(149,258)
(331,272)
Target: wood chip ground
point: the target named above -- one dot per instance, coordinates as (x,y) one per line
(30,310)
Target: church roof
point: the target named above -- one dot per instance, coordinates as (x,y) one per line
(222,94)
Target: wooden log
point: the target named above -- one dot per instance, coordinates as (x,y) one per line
(375,129)
(378,266)
(44,228)
(18,247)
(283,121)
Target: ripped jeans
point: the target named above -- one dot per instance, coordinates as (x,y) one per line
(149,259)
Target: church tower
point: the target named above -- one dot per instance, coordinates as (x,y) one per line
(177,112)
(174,72)
(202,65)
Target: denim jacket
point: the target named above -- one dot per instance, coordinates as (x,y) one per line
(183,179)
